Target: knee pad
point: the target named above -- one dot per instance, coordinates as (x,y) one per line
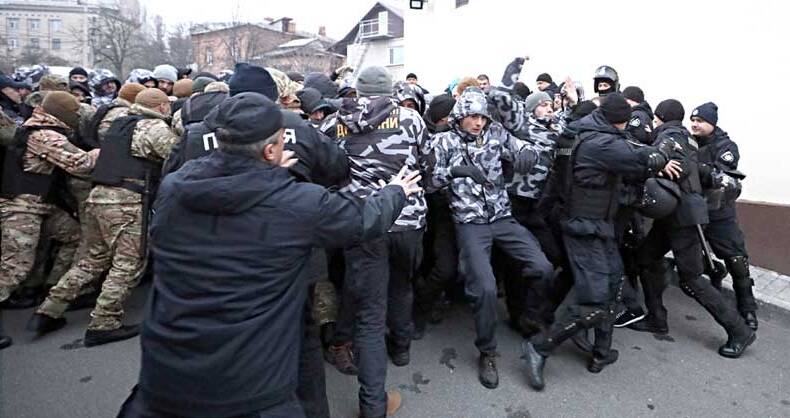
(738,266)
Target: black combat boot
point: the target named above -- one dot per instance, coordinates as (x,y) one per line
(535,363)
(342,357)
(740,335)
(653,286)
(486,370)
(44,324)
(399,355)
(742,285)
(94,337)
(5,341)
(598,361)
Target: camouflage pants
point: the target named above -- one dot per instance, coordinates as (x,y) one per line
(21,232)
(325,306)
(113,242)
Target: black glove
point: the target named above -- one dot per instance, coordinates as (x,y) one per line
(656,161)
(470,171)
(705,172)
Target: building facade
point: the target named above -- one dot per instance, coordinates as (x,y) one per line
(219,47)
(377,39)
(304,55)
(46,28)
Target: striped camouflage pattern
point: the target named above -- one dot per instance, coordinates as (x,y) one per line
(380,138)
(542,135)
(471,202)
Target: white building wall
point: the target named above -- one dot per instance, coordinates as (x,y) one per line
(378,53)
(732,53)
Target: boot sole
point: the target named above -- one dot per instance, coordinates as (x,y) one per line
(629,322)
(745,346)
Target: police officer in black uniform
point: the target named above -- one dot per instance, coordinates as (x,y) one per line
(678,232)
(599,159)
(718,158)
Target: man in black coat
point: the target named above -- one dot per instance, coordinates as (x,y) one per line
(678,232)
(599,159)
(232,236)
(718,158)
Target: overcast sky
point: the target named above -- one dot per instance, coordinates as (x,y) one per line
(338,16)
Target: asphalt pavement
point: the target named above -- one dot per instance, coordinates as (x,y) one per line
(676,376)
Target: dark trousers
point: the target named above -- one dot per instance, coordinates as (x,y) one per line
(475,243)
(405,255)
(727,242)
(364,309)
(440,265)
(687,250)
(537,307)
(311,388)
(597,270)
(135,406)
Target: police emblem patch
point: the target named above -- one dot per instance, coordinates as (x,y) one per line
(635,122)
(727,157)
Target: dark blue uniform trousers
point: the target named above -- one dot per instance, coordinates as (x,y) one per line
(474,243)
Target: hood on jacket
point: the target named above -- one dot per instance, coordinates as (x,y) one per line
(471,102)
(364,114)
(645,107)
(226,184)
(322,83)
(41,118)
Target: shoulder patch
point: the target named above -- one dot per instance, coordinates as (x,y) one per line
(727,157)
(635,122)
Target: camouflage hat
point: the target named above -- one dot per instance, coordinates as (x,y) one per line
(471,102)
(53,82)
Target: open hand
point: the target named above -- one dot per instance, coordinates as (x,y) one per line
(407,181)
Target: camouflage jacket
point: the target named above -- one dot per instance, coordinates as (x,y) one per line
(7,129)
(469,201)
(152,139)
(541,136)
(48,148)
(380,138)
(112,114)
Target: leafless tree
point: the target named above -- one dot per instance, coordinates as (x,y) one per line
(114,38)
(180,46)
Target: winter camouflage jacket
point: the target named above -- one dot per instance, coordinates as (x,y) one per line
(152,139)
(541,135)
(379,138)
(469,201)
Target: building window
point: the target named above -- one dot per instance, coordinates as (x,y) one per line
(34,43)
(459,3)
(13,43)
(55,25)
(396,55)
(55,44)
(13,24)
(34,24)
(209,57)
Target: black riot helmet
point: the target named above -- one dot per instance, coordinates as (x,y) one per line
(659,198)
(609,75)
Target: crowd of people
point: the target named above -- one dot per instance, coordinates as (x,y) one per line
(288,220)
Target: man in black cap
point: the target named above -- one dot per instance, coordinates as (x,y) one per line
(546,84)
(11,101)
(678,232)
(641,123)
(600,157)
(718,158)
(222,331)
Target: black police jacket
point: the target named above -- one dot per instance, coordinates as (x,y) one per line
(641,123)
(232,239)
(720,152)
(692,208)
(320,160)
(603,152)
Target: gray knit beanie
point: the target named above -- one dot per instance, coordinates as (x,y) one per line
(374,81)
(534,99)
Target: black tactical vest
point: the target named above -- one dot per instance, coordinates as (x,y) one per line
(196,108)
(116,165)
(90,136)
(587,202)
(16,180)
